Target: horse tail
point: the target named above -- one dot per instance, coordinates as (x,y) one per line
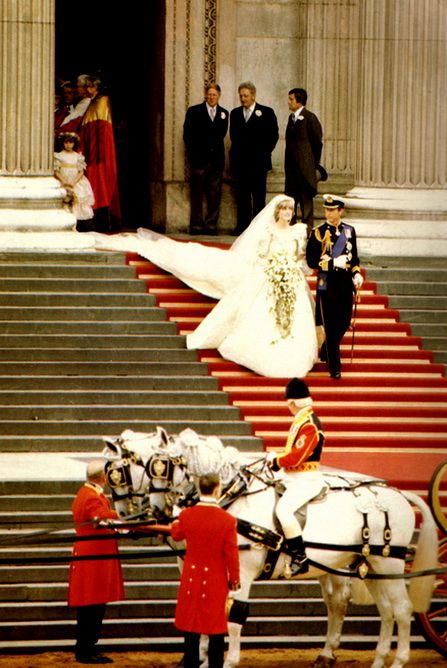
(426,556)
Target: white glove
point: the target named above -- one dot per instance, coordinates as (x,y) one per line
(357,280)
(270,456)
(340,261)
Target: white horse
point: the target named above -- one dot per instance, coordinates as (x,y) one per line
(351,526)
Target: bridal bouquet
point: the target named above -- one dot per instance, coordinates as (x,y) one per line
(283,276)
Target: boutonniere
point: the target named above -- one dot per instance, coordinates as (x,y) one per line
(223,115)
(348,233)
(300,118)
(258,112)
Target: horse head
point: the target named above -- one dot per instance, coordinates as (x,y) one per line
(145,473)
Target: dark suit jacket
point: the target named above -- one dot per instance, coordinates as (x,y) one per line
(252,142)
(303,150)
(204,139)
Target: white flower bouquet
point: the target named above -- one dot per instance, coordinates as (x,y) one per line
(283,276)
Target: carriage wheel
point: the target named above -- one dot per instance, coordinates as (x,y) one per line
(433,623)
(438,484)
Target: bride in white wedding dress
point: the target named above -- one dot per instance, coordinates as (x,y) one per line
(264,319)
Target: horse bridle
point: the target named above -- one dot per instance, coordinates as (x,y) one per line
(159,468)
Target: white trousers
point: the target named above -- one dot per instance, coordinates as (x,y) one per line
(300,488)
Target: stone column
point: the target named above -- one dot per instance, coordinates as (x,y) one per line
(401,164)
(30,197)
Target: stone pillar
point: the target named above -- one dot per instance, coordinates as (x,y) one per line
(30,197)
(401,164)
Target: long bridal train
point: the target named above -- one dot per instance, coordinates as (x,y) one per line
(264,319)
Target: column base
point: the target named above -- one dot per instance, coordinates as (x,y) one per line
(398,222)
(33,204)
(69,241)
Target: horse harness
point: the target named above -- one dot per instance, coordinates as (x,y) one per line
(275,543)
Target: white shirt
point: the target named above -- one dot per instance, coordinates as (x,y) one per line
(298,114)
(248,112)
(211,111)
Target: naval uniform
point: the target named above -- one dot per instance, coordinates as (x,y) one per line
(211,563)
(335,288)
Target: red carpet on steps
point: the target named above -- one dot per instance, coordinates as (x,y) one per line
(386,417)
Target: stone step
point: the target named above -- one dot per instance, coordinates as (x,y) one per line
(67,272)
(111,398)
(398,275)
(87,413)
(20,503)
(98,428)
(128,383)
(66,257)
(93,444)
(130,629)
(72,313)
(70,285)
(87,342)
(103,368)
(390,263)
(77,302)
(87,327)
(414,314)
(413,302)
(98,355)
(412,288)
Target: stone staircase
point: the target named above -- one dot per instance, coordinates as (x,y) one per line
(418,288)
(85,351)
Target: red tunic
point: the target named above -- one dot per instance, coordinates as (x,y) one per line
(211,562)
(93,581)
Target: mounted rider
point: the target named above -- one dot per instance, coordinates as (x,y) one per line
(300,463)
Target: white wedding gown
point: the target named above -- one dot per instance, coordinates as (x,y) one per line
(242,325)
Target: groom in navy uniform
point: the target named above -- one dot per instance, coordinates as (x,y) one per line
(254,134)
(204,130)
(332,250)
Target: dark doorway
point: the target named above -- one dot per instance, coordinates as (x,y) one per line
(123,43)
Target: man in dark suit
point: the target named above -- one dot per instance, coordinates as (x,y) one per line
(304,143)
(254,134)
(204,129)
(332,251)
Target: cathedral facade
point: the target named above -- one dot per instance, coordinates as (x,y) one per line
(373,69)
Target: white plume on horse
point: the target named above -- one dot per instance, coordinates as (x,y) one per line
(207,454)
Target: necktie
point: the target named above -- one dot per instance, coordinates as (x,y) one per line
(247,114)
(292,119)
(212,113)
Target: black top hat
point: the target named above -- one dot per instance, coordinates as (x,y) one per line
(322,174)
(297,389)
(333,202)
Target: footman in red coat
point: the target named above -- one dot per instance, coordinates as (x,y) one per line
(93,583)
(210,570)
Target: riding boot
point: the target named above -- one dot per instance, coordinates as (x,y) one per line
(299,563)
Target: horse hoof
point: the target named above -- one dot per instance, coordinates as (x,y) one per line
(324,662)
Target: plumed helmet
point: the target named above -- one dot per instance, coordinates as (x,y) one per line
(297,389)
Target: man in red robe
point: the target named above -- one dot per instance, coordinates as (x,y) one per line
(98,147)
(93,583)
(210,569)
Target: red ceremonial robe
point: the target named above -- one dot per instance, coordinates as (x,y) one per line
(211,562)
(97,144)
(93,581)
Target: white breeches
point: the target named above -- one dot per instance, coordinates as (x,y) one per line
(300,488)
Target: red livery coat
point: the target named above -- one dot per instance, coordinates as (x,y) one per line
(93,581)
(211,562)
